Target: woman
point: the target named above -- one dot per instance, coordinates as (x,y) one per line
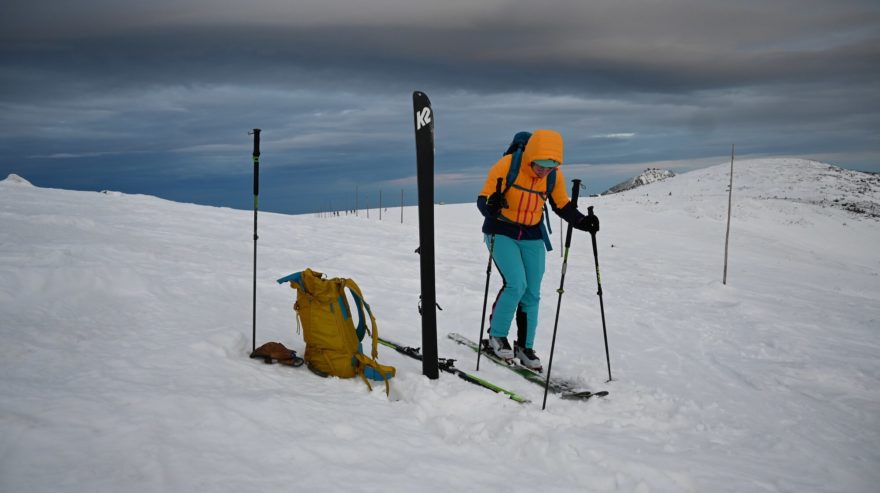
(513,216)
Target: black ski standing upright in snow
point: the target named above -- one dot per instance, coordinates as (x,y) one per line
(423,120)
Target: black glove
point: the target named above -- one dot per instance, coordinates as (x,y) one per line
(495,203)
(590,224)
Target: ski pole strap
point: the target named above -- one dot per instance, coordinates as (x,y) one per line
(256,133)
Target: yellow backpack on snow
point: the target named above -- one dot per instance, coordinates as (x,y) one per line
(333,343)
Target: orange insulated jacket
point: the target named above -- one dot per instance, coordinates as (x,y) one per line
(528,192)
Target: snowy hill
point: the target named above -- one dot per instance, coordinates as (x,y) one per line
(126,324)
(14,179)
(650,175)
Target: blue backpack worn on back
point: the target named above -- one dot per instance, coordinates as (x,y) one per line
(515,149)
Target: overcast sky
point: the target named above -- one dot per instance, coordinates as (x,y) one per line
(158,97)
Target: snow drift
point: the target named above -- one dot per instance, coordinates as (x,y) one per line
(125,322)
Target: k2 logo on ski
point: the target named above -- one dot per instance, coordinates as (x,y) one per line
(423,117)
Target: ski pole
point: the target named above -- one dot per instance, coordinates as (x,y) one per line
(256,155)
(601,303)
(575,191)
(486,293)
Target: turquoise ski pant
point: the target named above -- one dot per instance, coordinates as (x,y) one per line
(521,265)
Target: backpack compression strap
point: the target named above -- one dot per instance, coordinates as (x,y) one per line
(369,365)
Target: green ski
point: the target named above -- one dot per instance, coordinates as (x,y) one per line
(564,388)
(447,365)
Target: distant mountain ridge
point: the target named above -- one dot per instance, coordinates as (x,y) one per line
(13,178)
(764,181)
(650,175)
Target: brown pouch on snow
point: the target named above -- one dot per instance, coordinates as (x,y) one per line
(276,352)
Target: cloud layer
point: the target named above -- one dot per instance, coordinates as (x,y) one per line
(108,87)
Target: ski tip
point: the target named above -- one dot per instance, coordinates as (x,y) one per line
(419,96)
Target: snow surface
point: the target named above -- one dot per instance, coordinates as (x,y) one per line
(126,325)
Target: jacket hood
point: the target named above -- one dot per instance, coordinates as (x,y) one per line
(544,144)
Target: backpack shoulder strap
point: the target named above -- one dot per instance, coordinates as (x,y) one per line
(362,305)
(368,367)
(551,181)
(516,148)
(513,171)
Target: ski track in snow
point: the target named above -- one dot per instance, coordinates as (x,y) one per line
(126,323)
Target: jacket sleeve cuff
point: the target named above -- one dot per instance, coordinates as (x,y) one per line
(570,213)
(481,204)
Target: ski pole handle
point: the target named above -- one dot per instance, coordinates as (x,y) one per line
(498,185)
(576,191)
(256,134)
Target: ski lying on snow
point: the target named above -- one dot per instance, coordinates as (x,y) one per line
(447,366)
(564,388)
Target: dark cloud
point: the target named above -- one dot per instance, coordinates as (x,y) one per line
(674,46)
(178,84)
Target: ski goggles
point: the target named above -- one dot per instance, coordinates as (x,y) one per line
(546,163)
